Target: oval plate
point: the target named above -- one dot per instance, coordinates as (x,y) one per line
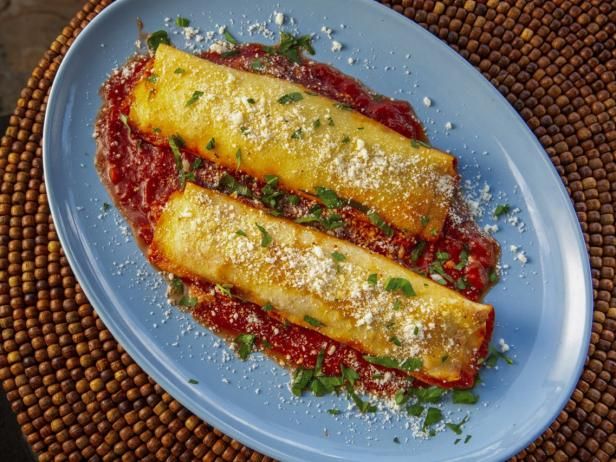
(543,307)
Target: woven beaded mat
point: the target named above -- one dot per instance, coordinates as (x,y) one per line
(78,395)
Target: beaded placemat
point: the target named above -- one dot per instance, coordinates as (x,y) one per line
(78,395)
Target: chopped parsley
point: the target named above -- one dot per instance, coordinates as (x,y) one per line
(266,239)
(156,38)
(346,139)
(396,440)
(193,381)
(194,98)
(442,256)
(179,70)
(344,106)
(230,38)
(400,285)
(418,251)
(329,222)
(463,260)
(397,305)
(334,411)
(188,302)
(152,78)
(223,289)
(328,197)
(210,144)
(316,124)
(229,54)
(376,220)
(244,342)
(417,144)
(493,276)
(501,209)
(461,283)
(464,397)
(250,101)
(301,380)
(240,232)
(415,410)
(395,340)
(313,322)
(230,184)
(410,364)
(372,279)
(330,121)
(256,64)
(457,427)
(267,307)
(176,143)
(433,416)
(363,406)
(291,46)
(338,257)
(182,22)
(297,134)
(424,220)
(106,207)
(238,158)
(437,268)
(292,97)
(467,439)
(430,395)
(494,356)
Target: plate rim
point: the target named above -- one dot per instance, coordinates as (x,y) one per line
(290,450)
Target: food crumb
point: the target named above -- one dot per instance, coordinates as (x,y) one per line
(427,101)
(336,46)
(502,345)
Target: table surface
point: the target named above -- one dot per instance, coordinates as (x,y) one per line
(78,395)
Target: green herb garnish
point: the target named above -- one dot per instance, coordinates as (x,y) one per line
(463,260)
(291,46)
(152,78)
(501,209)
(418,251)
(400,285)
(494,356)
(188,302)
(316,124)
(156,38)
(372,279)
(267,307)
(346,139)
(338,257)
(182,22)
(240,232)
(424,220)
(245,342)
(431,395)
(457,427)
(256,64)
(313,322)
(417,144)
(415,410)
(344,106)
(329,197)
(179,70)
(297,134)
(334,411)
(266,239)
(210,144)
(464,397)
(238,159)
(433,416)
(223,289)
(193,381)
(291,98)
(194,98)
(106,207)
(376,220)
(493,276)
(230,38)
(395,340)
(229,54)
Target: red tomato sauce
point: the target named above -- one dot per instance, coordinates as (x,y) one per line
(140,172)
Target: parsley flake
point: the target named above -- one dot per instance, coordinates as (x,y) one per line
(464,397)
(266,239)
(291,46)
(376,220)
(334,411)
(179,70)
(433,416)
(210,144)
(230,38)
(156,38)
(194,98)
(292,97)
(267,307)
(501,209)
(182,22)
(244,342)
(193,381)
(400,284)
(313,322)
(238,159)
(329,198)
(338,257)
(372,279)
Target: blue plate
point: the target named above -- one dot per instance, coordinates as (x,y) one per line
(543,307)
